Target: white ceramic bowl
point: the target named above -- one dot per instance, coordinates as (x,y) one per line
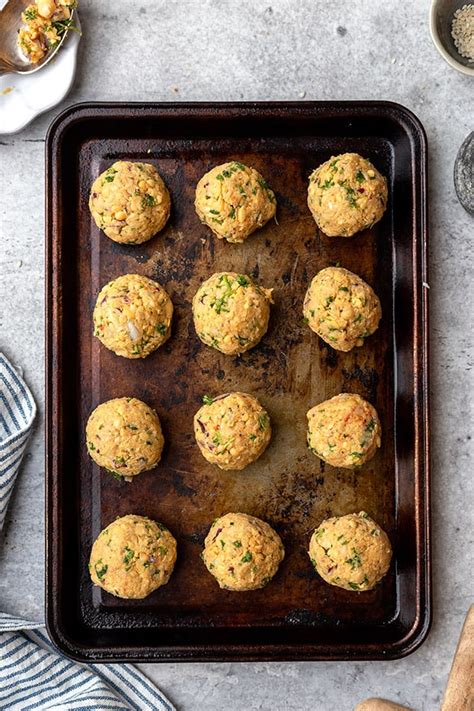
(25,96)
(441,17)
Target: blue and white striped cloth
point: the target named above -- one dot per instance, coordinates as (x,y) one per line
(33,674)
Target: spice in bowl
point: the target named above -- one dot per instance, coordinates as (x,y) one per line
(462,31)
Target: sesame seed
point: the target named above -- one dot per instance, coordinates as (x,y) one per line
(462,31)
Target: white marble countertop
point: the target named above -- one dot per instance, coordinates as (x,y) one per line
(221,50)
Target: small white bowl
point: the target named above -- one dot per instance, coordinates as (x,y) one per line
(441,17)
(23,97)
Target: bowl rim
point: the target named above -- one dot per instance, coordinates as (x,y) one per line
(468,71)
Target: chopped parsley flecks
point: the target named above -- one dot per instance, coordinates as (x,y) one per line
(370,426)
(129,554)
(327,184)
(207,400)
(100,569)
(262,422)
(148,201)
(354,561)
(247,557)
(31,13)
(351,197)
(115,474)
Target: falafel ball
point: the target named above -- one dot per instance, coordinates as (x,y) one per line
(242,552)
(132,557)
(232,430)
(124,436)
(130,202)
(132,316)
(341,308)
(231,313)
(350,552)
(344,431)
(346,194)
(234,201)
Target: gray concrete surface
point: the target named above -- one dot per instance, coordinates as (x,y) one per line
(222,50)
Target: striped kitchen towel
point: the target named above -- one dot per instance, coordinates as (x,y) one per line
(33,674)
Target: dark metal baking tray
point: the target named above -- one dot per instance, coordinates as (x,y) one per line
(297,616)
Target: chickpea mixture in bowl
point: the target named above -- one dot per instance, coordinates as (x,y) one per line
(46,22)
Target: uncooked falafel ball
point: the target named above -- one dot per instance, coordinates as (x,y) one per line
(341,308)
(346,194)
(132,557)
(242,552)
(130,202)
(232,430)
(351,552)
(124,436)
(234,201)
(344,431)
(132,316)
(231,313)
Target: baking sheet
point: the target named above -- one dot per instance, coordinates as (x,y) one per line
(297,616)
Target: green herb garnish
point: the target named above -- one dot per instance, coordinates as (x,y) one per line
(262,422)
(100,572)
(355,561)
(128,555)
(148,201)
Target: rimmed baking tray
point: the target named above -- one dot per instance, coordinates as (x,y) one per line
(297,616)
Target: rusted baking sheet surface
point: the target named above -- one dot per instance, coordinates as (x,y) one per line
(297,616)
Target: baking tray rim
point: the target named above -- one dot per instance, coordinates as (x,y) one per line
(419,631)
